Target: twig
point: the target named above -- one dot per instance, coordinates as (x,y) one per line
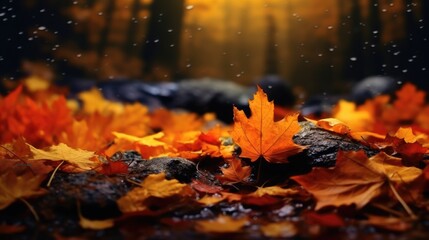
(402,201)
(53,174)
(31,208)
(389,210)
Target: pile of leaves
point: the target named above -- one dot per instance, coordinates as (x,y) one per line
(44,136)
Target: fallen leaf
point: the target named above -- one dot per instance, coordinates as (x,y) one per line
(259,136)
(284,229)
(334,125)
(388,223)
(221,224)
(154,185)
(265,196)
(14,187)
(324,219)
(82,159)
(357,120)
(93,224)
(356,179)
(11,229)
(236,172)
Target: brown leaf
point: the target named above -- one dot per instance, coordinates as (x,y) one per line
(14,187)
(236,172)
(259,136)
(356,179)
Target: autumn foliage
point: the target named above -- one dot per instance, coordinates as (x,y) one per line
(42,132)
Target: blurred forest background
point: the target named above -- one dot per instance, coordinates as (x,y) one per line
(321,46)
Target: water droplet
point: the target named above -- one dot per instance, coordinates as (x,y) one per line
(69,22)
(330,27)
(2,14)
(353,59)
(405,70)
(156,40)
(100,13)
(170,30)
(320,55)
(375,32)
(41,28)
(396,53)
(331,49)
(42,10)
(79,55)
(189,7)
(188,65)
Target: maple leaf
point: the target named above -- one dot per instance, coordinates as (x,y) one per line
(355,179)
(236,172)
(334,125)
(259,136)
(82,159)
(148,146)
(355,119)
(264,196)
(154,185)
(221,224)
(14,187)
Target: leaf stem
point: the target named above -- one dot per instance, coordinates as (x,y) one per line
(31,208)
(401,201)
(53,174)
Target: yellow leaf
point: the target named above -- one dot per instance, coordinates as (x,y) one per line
(150,141)
(93,101)
(356,120)
(82,159)
(273,191)
(13,187)
(279,230)
(221,224)
(155,185)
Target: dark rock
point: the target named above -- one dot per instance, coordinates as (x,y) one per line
(173,167)
(319,105)
(323,145)
(373,86)
(96,193)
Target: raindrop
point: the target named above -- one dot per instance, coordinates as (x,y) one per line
(100,13)
(188,65)
(156,40)
(170,30)
(423,69)
(405,70)
(42,10)
(384,10)
(353,59)
(320,55)
(330,27)
(79,55)
(41,28)
(231,64)
(399,82)
(189,7)
(375,32)
(171,45)
(2,14)
(331,49)
(396,53)
(69,22)
(30,39)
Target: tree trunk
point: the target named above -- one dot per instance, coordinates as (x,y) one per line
(104,35)
(373,56)
(162,44)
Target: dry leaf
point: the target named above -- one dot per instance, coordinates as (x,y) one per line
(82,159)
(356,179)
(154,185)
(14,187)
(283,229)
(357,120)
(236,172)
(259,136)
(221,224)
(334,125)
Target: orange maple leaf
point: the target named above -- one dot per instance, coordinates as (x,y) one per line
(260,137)
(356,179)
(236,172)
